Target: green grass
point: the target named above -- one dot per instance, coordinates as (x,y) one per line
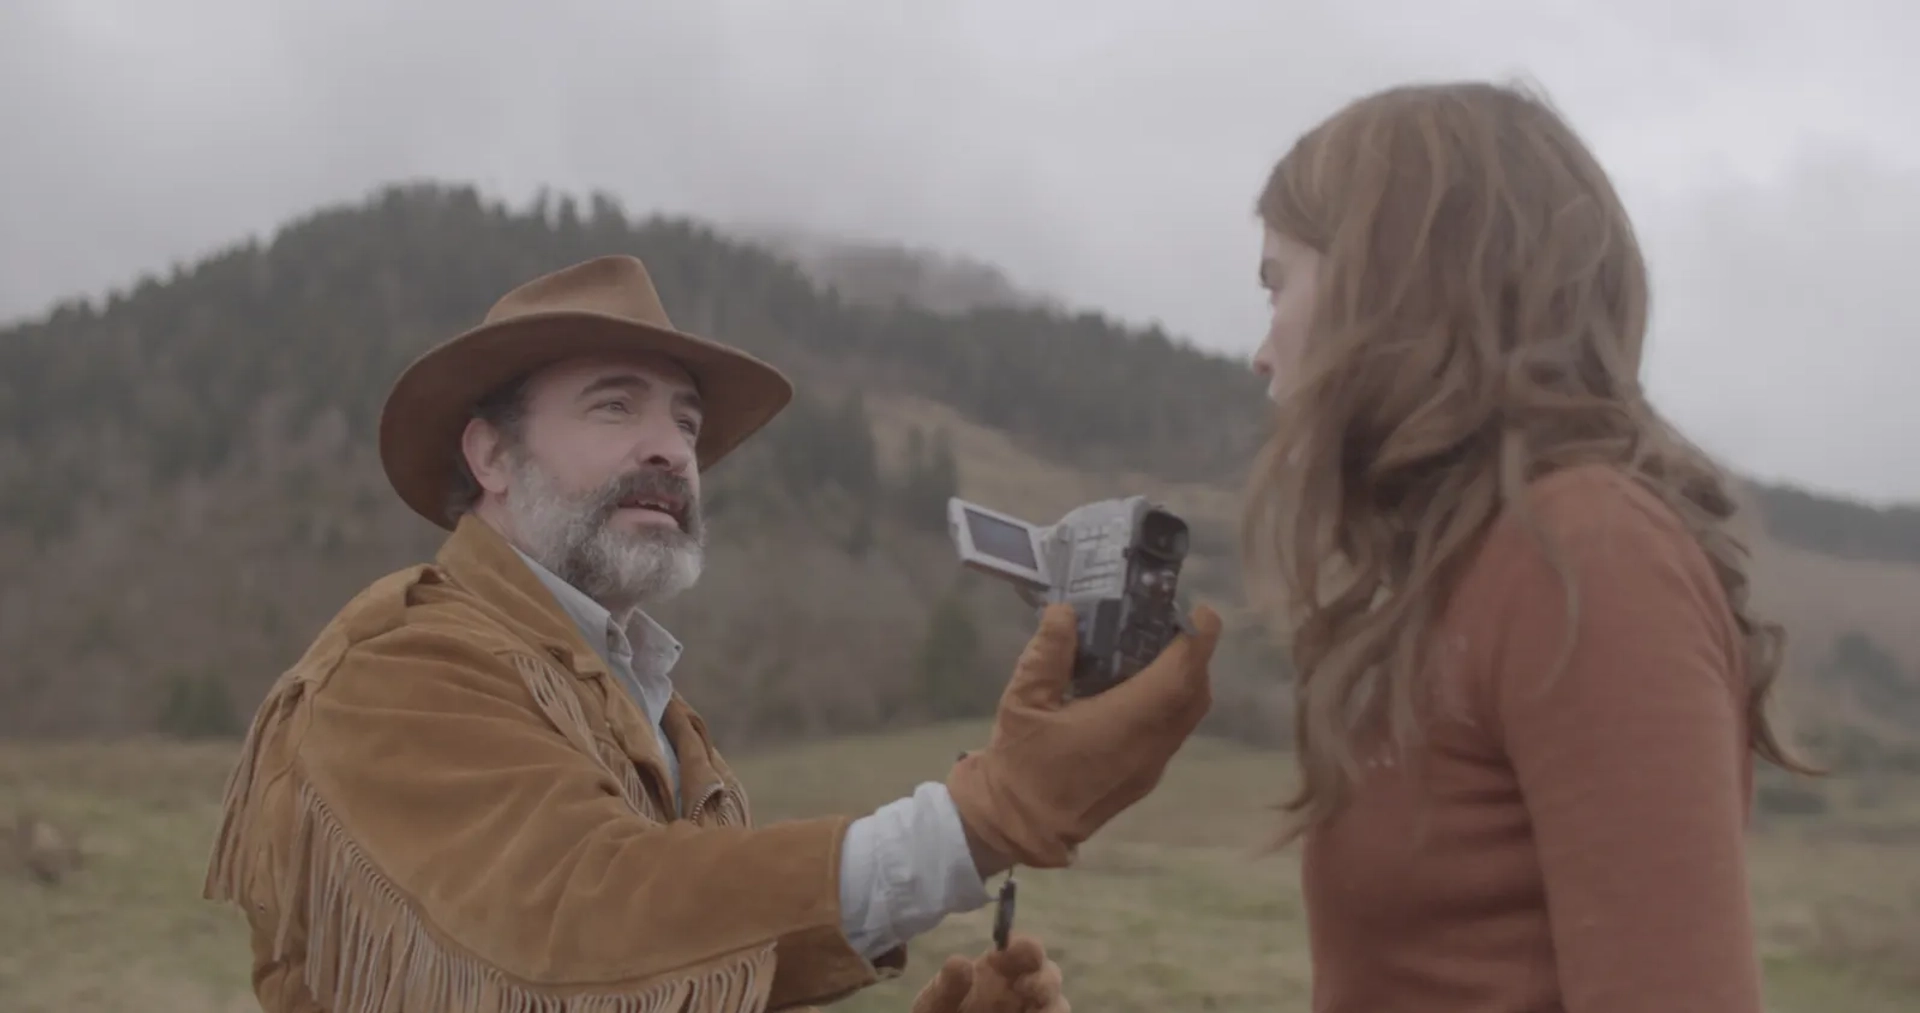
(1169,909)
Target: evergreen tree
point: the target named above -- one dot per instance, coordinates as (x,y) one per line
(860,534)
(859,469)
(953,683)
(198,707)
(931,477)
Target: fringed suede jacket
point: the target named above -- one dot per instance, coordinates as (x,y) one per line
(445,806)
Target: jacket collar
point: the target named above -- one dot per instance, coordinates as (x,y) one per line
(481,560)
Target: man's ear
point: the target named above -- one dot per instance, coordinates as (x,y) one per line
(481,445)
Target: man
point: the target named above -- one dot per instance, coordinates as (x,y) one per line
(478,791)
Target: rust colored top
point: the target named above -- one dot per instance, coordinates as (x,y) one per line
(1570,842)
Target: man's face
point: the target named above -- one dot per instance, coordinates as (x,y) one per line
(601,486)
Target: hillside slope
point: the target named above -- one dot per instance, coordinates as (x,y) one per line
(188,487)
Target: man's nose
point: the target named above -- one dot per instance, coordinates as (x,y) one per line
(677,458)
(670,450)
(1261,367)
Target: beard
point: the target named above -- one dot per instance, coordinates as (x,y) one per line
(571,534)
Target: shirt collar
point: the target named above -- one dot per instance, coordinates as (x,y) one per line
(644,670)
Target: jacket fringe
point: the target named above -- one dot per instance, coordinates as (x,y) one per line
(366,951)
(229,868)
(550,691)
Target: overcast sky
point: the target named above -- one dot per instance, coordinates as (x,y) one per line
(1106,153)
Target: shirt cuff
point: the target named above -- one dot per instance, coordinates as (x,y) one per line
(905,868)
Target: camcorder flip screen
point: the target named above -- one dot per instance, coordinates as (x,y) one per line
(1001,540)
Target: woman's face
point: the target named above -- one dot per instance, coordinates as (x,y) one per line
(1288,271)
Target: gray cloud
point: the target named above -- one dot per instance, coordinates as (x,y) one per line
(1787,336)
(1104,152)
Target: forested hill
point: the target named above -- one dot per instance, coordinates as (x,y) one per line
(1839,527)
(188,487)
(326,314)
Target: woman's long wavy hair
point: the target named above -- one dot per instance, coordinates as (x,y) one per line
(1481,310)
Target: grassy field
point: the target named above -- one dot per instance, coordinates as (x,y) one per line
(1170,909)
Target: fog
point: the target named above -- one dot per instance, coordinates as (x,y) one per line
(1106,153)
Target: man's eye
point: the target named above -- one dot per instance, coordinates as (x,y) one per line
(690,426)
(615,405)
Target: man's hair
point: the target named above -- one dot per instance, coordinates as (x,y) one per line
(505,409)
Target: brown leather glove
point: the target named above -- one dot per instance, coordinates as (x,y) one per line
(1018,979)
(1053,771)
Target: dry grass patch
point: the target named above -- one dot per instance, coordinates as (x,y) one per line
(1170,909)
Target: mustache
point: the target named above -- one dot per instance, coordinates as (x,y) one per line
(651,483)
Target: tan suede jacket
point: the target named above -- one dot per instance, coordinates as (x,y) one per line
(449,805)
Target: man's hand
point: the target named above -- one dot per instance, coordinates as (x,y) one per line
(1018,979)
(1054,772)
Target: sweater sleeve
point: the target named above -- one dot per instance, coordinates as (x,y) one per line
(464,853)
(1630,748)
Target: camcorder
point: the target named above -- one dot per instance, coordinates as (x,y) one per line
(1117,562)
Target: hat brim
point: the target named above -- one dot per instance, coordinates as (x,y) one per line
(430,404)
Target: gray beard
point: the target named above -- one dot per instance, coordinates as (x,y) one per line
(569,534)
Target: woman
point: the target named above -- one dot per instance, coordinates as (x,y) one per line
(1530,684)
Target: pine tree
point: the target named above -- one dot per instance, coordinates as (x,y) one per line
(953,684)
(932,476)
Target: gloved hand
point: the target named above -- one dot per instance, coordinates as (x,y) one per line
(1054,772)
(1018,979)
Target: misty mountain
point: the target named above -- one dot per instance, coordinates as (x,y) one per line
(188,486)
(889,274)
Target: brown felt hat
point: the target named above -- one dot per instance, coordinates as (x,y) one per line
(603,305)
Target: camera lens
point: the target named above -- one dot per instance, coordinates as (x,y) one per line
(1164,535)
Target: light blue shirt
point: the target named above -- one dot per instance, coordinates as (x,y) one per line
(903,868)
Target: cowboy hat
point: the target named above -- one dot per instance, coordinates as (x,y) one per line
(603,305)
